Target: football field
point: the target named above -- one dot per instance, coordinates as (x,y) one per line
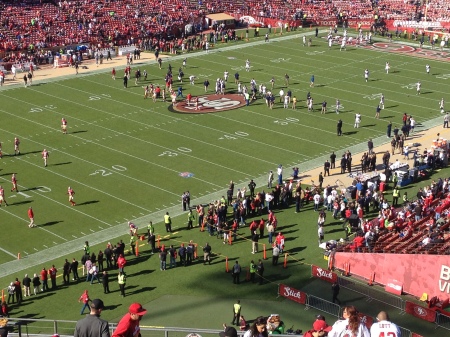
(130,159)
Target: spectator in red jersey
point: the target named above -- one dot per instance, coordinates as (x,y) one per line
(52,272)
(44,279)
(128,326)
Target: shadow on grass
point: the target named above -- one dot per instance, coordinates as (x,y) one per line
(59,164)
(50,223)
(79,131)
(296,250)
(21,203)
(140,290)
(88,202)
(349,133)
(142,272)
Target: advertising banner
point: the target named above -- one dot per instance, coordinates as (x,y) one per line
(323,274)
(292,294)
(420,312)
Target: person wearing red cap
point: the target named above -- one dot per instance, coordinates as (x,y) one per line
(128,326)
(320,328)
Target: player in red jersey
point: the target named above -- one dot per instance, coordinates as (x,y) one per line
(16,145)
(188,99)
(45,156)
(64,125)
(14,183)
(113,73)
(2,196)
(71,193)
(31,217)
(133,228)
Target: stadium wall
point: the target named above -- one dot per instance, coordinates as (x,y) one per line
(415,273)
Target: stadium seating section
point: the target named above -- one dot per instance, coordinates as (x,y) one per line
(47,23)
(390,240)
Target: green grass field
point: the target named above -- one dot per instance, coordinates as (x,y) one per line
(123,156)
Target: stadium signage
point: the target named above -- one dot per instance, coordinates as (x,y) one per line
(420,312)
(210,104)
(444,279)
(415,24)
(325,275)
(292,294)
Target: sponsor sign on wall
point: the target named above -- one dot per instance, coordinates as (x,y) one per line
(420,312)
(292,294)
(324,274)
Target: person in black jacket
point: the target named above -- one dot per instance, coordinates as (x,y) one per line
(207,253)
(105,282)
(74,269)
(66,272)
(26,285)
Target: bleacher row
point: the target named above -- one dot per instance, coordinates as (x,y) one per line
(57,23)
(392,242)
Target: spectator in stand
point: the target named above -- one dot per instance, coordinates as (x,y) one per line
(351,325)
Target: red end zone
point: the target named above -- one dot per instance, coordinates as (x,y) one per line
(209,104)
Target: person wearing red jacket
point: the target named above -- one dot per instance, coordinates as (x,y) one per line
(52,272)
(31,217)
(121,262)
(128,326)
(44,279)
(85,299)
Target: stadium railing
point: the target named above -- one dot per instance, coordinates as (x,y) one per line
(372,293)
(323,305)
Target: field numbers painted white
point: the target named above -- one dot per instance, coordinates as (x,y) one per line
(174,154)
(286,121)
(105,173)
(237,133)
(373,96)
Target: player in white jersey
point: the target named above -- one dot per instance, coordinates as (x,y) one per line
(366,75)
(382,102)
(225,76)
(343,43)
(304,41)
(357,120)
(286,102)
(247,65)
(310,104)
(192,79)
(418,87)
(427,68)
(441,105)
(383,327)
(387,67)
(330,40)
(338,106)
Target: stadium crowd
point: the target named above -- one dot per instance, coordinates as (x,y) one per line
(36,24)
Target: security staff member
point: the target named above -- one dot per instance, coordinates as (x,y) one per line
(191,218)
(168,222)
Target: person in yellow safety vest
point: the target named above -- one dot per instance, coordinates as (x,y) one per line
(395,195)
(133,244)
(191,219)
(121,279)
(150,229)
(236,312)
(168,222)
(252,271)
